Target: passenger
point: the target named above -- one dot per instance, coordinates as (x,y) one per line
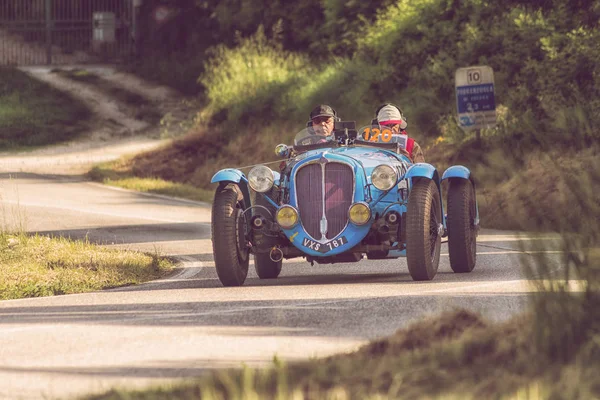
(390,115)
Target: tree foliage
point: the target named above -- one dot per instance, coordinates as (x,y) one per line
(357,55)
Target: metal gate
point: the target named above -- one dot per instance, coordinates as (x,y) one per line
(38,32)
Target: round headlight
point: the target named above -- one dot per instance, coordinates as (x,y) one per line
(359,213)
(287,217)
(261,179)
(384,177)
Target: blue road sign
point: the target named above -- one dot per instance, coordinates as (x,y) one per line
(475,98)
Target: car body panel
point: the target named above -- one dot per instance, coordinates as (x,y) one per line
(229,175)
(362,158)
(462,172)
(456,171)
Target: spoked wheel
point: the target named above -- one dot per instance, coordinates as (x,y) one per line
(424,238)
(462,232)
(229,237)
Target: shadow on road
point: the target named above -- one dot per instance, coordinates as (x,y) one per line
(348,317)
(142,233)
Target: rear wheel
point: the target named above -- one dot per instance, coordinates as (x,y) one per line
(229,236)
(423,241)
(462,232)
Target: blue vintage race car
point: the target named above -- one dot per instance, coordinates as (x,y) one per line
(338,198)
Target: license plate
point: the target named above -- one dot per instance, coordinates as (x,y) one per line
(324,247)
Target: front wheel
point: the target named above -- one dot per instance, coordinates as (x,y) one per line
(462,232)
(228,237)
(423,241)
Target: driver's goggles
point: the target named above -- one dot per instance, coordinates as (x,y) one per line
(320,120)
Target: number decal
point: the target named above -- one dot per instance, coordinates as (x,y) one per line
(376,133)
(366,134)
(386,135)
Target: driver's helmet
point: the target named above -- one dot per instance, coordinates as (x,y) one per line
(389,115)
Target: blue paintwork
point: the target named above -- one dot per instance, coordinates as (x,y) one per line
(461,172)
(422,170)
(354,235)
(362,160)
(396,253)
(456,171)
(229,175)
(235,176)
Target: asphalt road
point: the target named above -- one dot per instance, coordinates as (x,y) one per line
(71,345)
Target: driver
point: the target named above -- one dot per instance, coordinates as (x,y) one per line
(322,119)
(391,116)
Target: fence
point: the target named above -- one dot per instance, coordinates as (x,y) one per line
(38,32)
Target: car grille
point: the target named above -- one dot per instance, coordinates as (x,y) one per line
(337,180)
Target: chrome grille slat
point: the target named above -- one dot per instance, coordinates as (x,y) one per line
(310,198)
(325,188)
(339,187)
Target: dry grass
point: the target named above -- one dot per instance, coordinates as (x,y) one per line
(540,184)
(453,356)
(133,104)
(185,167)
(119,174)
(35,266)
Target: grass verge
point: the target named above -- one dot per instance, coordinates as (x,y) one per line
(119,175)
(456,355)
(33,113)
(135,105)
(36,266)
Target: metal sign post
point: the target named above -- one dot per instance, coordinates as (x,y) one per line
(475,101)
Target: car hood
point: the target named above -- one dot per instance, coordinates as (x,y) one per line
(366,158)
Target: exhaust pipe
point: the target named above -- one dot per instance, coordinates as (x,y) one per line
(276,254)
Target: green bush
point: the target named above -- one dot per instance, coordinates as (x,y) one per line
(34,114)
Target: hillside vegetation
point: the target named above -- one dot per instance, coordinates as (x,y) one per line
(259,84)
(34,114)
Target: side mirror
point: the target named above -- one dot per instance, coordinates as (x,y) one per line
(282,150)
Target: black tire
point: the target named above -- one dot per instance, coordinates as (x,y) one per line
(462,233)
(231,255)
(265,268)
(423,241)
